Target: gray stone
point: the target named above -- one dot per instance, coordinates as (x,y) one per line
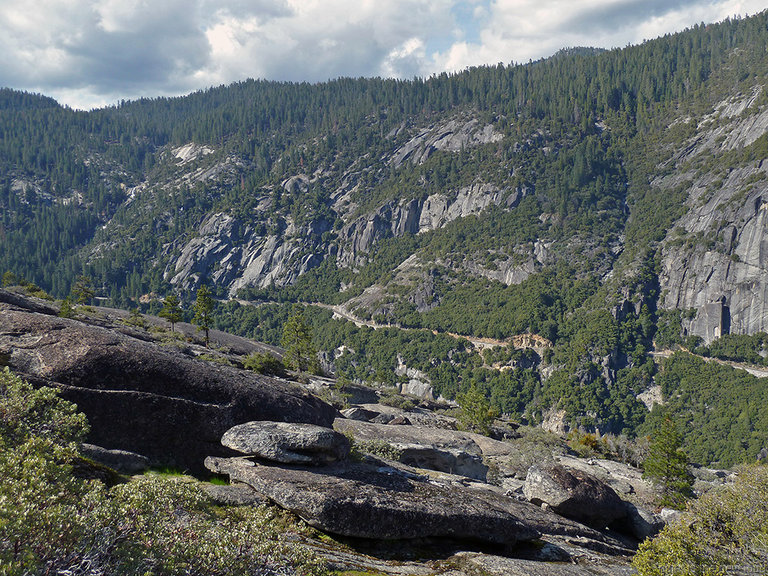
(430,448)
(725,283)
(367,500)
(418,416)
(491,565)
(119,460)
(625,480)
(399,421)
(640,523)
(390,501)
(382,418)
(452,135)
(358,413)
(234,495)
(287,443)
(574,494)
(418,388)
(670,515)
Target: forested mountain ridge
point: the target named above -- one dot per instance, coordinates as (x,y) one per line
(599,199)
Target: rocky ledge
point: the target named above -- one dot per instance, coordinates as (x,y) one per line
(378,500)
(140,396)
(404,481)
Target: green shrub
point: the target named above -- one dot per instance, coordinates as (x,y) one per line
(476,413)
(724,532)
(374,447)
(216,359)
(667,466)
(52,522)
(35,290)
(586,445)
(391,397)
(264,363)
(136,319)
(66,310)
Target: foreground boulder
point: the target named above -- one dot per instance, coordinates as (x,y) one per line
(372,500)
(287,443)
(574,494)
(142,397)
(382,500)
(438,449)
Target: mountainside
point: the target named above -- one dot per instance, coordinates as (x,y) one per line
(597,200)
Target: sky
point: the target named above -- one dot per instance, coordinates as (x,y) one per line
(93,53)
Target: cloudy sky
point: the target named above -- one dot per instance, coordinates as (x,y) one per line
(91,53)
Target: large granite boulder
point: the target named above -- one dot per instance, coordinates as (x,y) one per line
(359,413)
(142,397)
(438,449)
(369,500)
(287,442)
(388,501)
(574,494)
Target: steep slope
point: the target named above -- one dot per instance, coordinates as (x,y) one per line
(585,199)
(714,259)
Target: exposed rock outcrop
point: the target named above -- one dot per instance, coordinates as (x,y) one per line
(394,219)
(390,220)
(120,460)
(433,449)
(418,416)
(144,398)
(715,258)
(640,522)
(287,442)
(380,501)
(439,209)
(453,136)
(502,566)
(235,495)
(574,494)
(366,500)
(233,254)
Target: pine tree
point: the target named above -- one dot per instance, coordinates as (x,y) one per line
(477,414)
(203,311)
(82,291)
(66,310)
(171,310)
(9,279)
(300,354)
(667,466)
(135,318)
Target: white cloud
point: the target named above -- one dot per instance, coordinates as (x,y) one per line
(404,61)
(91,52)
(522,30)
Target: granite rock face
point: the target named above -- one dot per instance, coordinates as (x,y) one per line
(287,442)
(368,500)
(144,398)
(453,136)
(715,259)
(235,254)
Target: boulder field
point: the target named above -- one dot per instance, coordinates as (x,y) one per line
(379,476)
